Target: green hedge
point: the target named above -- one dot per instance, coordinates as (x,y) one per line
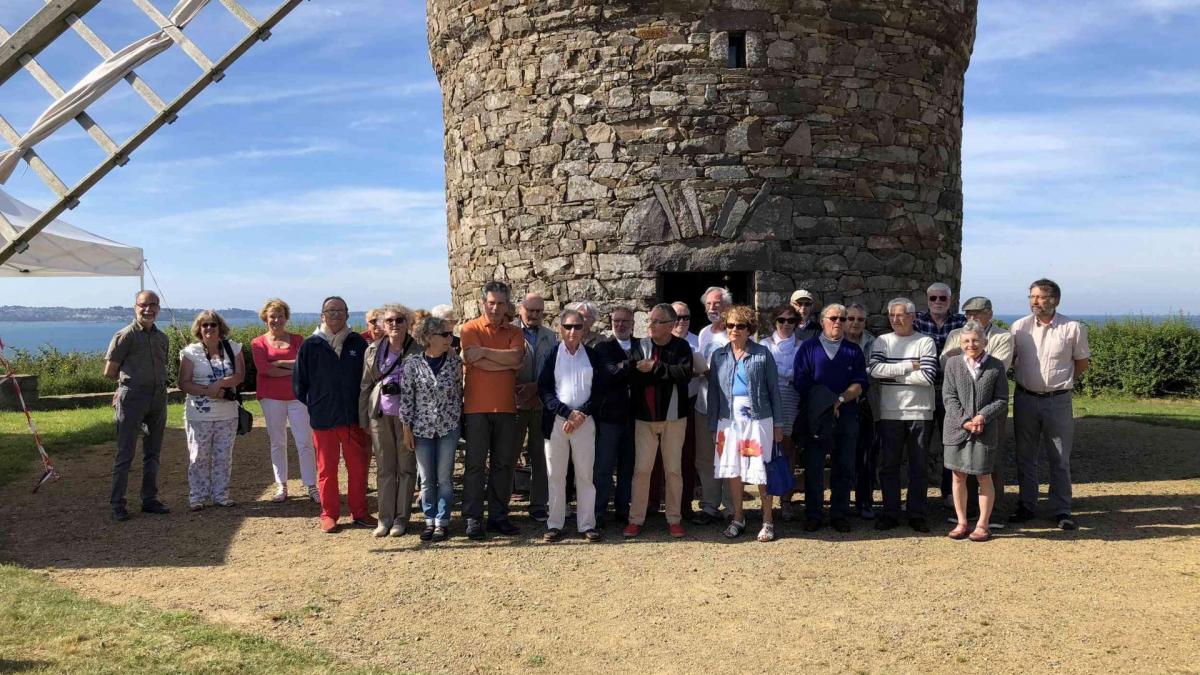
(1137,357)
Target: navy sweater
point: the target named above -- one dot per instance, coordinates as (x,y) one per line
(813,366)
(328,384)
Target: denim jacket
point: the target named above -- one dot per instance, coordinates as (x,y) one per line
(763,377)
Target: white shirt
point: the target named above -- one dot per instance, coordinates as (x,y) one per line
(625,344)
(710,342)
(206,371)
(572,376)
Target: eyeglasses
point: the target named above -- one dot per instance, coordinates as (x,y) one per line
(898,317)
(335,311)
(448,334)
(802,303)
(939,298)
(572,326)
(396,319)
(791,321)
(683,317)
(147,305)
(662,321)
(209,325)
(738,326)
(835,319)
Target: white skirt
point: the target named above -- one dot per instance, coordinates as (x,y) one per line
(743,445)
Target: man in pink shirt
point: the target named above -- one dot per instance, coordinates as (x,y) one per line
(1049,352)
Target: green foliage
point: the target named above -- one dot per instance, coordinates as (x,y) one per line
(181,337)
(63,372)
(1140,358)
(47,628)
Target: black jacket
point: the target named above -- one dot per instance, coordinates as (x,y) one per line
(671,374)
(552,408)
(328,384)
(615,408)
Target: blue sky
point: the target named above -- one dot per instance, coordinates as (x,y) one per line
(316,165)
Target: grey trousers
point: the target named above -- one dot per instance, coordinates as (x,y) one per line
(395,469)
(529,437)
(134,408)
(713,492)
(491,454)
(1044,425)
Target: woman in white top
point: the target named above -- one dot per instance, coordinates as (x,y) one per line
(210,370)
(782,344)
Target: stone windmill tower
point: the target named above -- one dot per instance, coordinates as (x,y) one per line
(626,151)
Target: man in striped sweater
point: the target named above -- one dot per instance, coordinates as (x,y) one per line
(904,366)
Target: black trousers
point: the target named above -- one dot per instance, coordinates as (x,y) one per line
(490,457)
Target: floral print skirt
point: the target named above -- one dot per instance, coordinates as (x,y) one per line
(743,445)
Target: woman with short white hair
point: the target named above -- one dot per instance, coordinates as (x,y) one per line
(975,393)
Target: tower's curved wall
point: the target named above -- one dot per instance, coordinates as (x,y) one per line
(592,145)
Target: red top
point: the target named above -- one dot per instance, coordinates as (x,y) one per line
(278,388)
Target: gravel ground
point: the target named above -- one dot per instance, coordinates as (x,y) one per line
(1119,594)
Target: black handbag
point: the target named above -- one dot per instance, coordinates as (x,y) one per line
(245,417)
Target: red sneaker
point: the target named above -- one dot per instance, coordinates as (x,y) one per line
(676,530)
(631,531)
(328,525)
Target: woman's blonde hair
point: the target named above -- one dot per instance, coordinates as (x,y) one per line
(209,314)
(274,304)
(741,314)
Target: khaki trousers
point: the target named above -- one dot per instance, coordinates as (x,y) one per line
(395,469)
(649,438)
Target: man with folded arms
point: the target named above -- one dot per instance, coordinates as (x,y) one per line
(614,419)
(1051,351)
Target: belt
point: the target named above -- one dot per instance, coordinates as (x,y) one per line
(1043,394)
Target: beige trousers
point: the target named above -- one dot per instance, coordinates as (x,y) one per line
(649,438)
(395,469)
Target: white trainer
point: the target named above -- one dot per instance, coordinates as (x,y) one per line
(280,494)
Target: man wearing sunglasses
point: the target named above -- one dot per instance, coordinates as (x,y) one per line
(938,322)
(137,360)
(804,302)
(614,419)
(713,492)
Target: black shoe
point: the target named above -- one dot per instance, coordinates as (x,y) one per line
(1022,515)
(119,514)
(539,515)
(918,524)
(841,524)
(440,533)
(427,533)
(600,522)
(622,518)
(885,523)
(812,524)
(703,517)
(1065,522)
(504,527)
(475,530)
(154,506)
(552,535)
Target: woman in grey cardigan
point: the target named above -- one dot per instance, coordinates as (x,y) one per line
(975,393)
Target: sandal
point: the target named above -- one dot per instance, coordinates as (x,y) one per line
(959,532)
(440,533)
(734,529)
(767,533)
(981,534)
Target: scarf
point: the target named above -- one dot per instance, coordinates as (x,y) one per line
(335,340)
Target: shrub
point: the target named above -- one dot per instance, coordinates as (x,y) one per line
(1137,357)
(180,338)
(63,372)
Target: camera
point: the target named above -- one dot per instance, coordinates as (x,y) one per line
(231,395)
(390,388)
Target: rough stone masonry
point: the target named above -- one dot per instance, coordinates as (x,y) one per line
(592,145)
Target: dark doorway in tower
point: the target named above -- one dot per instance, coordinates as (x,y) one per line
(688,286)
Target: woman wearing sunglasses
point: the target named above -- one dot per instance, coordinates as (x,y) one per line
(379,413)
(431,401)
(210,370)
(782,344)
(745,414)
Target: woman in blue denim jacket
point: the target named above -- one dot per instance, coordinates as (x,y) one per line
(745,414)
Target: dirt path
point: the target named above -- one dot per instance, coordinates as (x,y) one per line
(1120,594)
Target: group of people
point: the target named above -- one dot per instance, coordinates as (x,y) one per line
(634,423)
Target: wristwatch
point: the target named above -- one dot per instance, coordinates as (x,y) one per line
(841,399)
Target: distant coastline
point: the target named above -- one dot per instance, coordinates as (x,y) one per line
(15,313)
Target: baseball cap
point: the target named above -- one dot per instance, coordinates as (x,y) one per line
(803,294)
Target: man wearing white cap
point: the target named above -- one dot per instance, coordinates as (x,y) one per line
(804,302)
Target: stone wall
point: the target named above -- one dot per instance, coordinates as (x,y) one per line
(592,144)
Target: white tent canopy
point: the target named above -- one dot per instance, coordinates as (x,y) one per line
(63,250)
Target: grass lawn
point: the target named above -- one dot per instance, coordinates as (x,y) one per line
(46,628)
(1166,412)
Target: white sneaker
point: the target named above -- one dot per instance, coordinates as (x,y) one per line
(314,494)
(381,530)
(280,494)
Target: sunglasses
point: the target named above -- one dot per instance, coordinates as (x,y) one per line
(683,317)
(209,325)
(398,319)
(939,298)
(856,319)
(572,326)
(789,321)
(835,319)
(738,326)
(448,334)
(802,303)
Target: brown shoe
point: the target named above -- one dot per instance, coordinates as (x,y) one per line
(959,532)
(980,534)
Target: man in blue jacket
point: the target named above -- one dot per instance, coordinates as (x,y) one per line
(326,379)
(830,374)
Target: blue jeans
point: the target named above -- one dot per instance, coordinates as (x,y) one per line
(435,463)
(614,452)
(841,449)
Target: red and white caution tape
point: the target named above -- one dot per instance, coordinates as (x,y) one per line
(49,474)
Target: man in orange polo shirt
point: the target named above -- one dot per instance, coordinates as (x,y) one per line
(493,350)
